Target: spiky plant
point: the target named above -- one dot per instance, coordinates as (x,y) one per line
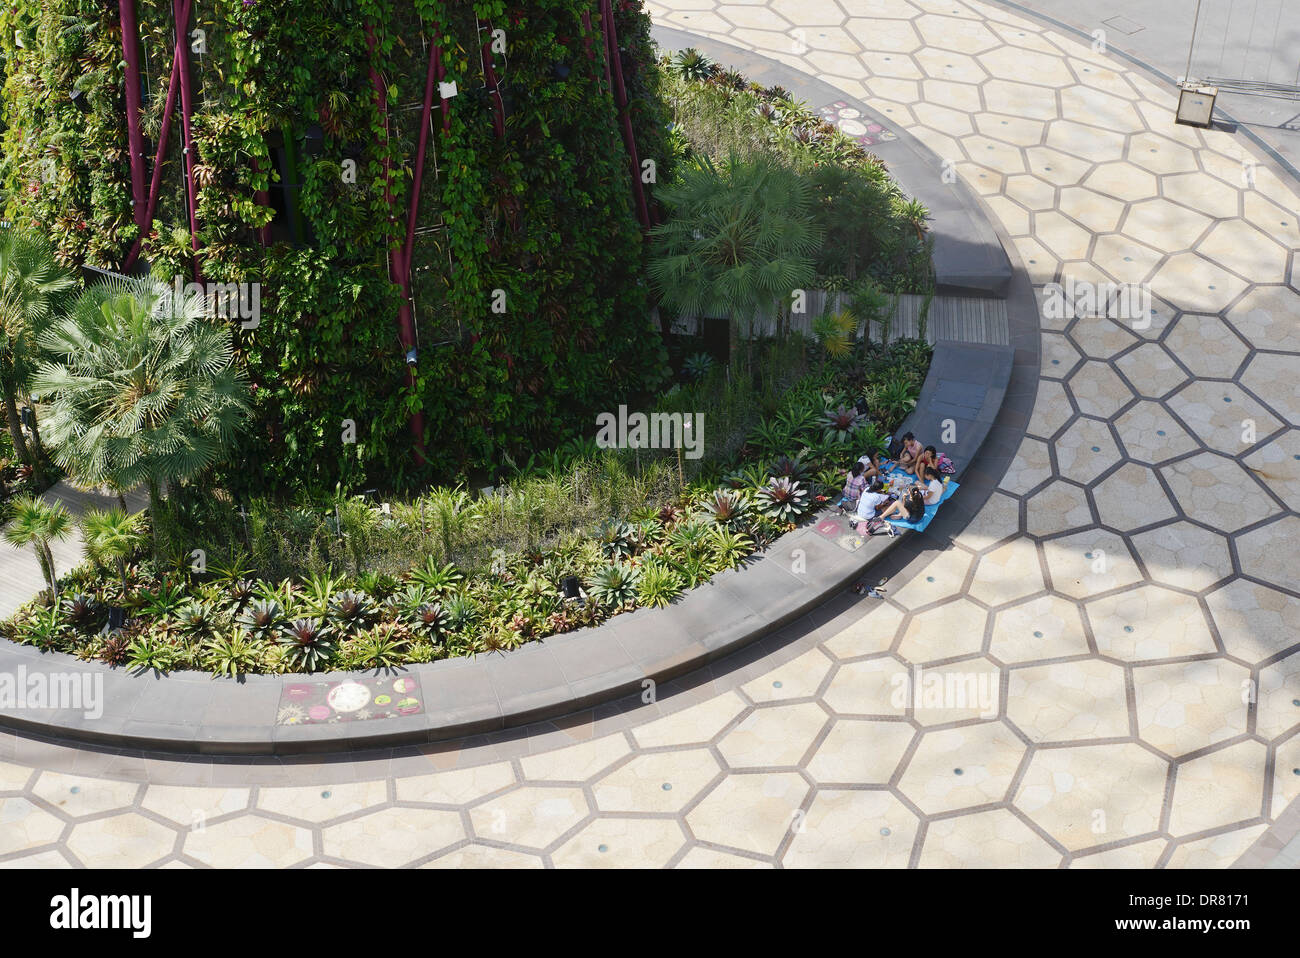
(836,332)
(614,585)
(689,536)
(308,643)
(726,508)
(459,613)
(142,388)
(382,647)
(240,592)
(426,619)
(351,610)
(658,585)
(196,620)
(694,65)
(262,618)
(697,366)
(728,547)
(783,499)
(838,424)
(81,611)
(617,539)
(438,579)
(794,468)
(35,523)
(232,653)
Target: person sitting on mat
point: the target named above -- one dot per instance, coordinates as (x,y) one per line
(928,458)
(911,449)
(854,483)
(911,507)
(873,499)
(874,464)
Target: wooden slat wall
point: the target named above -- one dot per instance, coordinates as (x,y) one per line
(965,319)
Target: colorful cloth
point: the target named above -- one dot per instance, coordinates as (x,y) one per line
(919,524)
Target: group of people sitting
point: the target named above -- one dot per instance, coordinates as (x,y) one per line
(868,494)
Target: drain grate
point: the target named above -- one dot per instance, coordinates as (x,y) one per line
(1124,25)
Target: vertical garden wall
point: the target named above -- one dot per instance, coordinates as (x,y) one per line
(523,264)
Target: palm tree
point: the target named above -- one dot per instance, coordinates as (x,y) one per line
(33,522)
(144,389)
(112,535)
(32,284)
(739,238)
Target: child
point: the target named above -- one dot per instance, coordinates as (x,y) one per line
(871,500)
(854,483)
(874,465)
(928,459)
(910,507)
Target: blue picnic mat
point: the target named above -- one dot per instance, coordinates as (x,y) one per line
(920,524)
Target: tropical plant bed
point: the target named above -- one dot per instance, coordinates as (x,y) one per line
(346,606)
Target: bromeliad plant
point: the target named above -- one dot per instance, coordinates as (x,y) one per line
(783,499)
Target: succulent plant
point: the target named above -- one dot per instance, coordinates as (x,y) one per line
(793,468)
(308,643)
(783,499)
(262,618)
(352,610)
(196,620)
(241,591)
(81,611)
(838,423)
(614,584)
(427,619)
(617,539)
(726,508)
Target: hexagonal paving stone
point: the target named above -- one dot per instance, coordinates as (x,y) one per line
(1057,168)
(1081,139)
(1024,66)
(1101,108)
(1010,129)
(1101,338)
(866,687)
(1237,246)
(951,33)
(944,632)
(394,836)
(1095,212)
(1149,622)
(1151,371)
(1160,154)
(1202,192)
(897,36)
(1267,553)
(1122,181)
(656,781)
(751,812)
(1087,795)
(1057,507)
(1254,621)
(997,520)
(1131,498)
(1286,780)
(1223,416)
(1266,317)
(1068,701)
(866,635)
(576,762)
(1098,391)
(1031,467)
(1183,555)
(249,841)
(456,786)
(530,816)
(317,803)
(621,843)
(25,825)
(946,65)
(1020,99)
(1206,345)
(853,829)
(1085,450)
(1273,379)
(941,579)
(1186,706)
(190,805)
(962,767)
(1222,788)
(992,839)
(1279,690)
(121,841)
(1165,224)
(1150,434)
(1218,851)
(1125,260)
(1043,628)
(1052,409)
(1217,490)
(860,752)
(1063,237)
(779,735)
(1089,563)
(1031,192)
(698,723)
(484,856)
(957,692)
(79,795)
(1277,465)
(1196,283)
(1008,573)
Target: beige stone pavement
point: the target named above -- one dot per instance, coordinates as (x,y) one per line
(1108,654)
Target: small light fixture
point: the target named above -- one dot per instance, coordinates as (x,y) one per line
(411,356)
(314,141)
(78,98)
(560,71)
(1195,104)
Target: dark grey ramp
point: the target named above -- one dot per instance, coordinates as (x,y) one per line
(966,384)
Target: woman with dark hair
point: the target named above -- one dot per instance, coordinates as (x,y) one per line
(910,450)
(910,507)
(929,458)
